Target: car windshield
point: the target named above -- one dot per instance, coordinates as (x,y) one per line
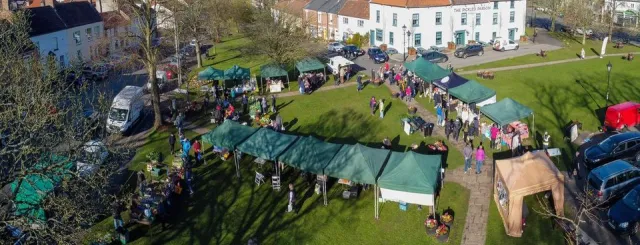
(117,114)
(607,145)
(632,199)
(595,182)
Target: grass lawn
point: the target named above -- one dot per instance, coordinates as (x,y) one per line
(227,210)
(574,91)
(572,47)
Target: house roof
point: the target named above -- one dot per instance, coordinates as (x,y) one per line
(45,20)
(294,7)
(356,8)
(413,3)
(463,2)
(326,6)
(78,13)
(113,19)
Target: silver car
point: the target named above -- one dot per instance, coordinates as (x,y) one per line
(612,180)
(335,47)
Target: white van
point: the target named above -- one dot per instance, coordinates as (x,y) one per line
(338,61)
(503,44)
(125,110)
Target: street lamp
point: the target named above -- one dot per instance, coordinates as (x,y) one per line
(404,44)
(408,42)
(609,66)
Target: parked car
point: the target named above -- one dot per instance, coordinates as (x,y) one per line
(624,146)
(188,51)
(335,47)
(421,50)
(72,78)
(623,115)
(192,43)
(469,50)
(435,57)
(352,49)
(580,31)
(391,51)
(95,72)
(624,215)
(93,154)
(503,44)
(612,180)
(377,55)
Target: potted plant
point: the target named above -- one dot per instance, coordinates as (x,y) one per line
(412,110)
(154,157)
(412,51)
(383,47)
(442,233)
(523,38)
(431,225)
(451,45)
(447,217)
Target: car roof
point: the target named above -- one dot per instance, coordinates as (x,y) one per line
(624,136)
(624,105)
(611,169)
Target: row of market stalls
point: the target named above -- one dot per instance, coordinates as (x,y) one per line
(400,176)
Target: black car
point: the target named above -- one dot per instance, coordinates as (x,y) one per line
(469,50)
(625,214)
(352,50)
(377,55)
(435,57)
(625,146)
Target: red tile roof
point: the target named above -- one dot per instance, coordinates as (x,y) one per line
(413,3)
(356,8)
(114,19)
(295,7)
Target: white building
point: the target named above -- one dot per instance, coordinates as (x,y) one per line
(48,33)
(353,18)
(84,29)
(438,22)
(627,12)
(119,28)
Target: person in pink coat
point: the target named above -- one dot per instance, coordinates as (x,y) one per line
(479,158)
(408,93)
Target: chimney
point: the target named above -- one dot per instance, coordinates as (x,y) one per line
(47,3)
(4,5)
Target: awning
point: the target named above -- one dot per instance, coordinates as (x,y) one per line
(451,81)
(211,73)
(426,70)
(357,163)
(228,135)
(309,64)
(310,154)
(266,144)
(272,70)
(411,172)
(237,73)
(472,92)
(506,111)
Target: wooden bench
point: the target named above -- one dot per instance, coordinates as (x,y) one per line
(618,45)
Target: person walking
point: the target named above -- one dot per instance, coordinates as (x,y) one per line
(179,122)
(439,114)
(545,140)
(172,142)
(408,93)
(273,104)
(372,104)
(456,129)
(468,153)
(264,105)
(245,103)
(582,54)
(292,199)
(300,85)
(515,145)
(494,135)
(476,126)
(465,131)
(479,159)
(197,150)
(448,127)
(381,108)
(359,83)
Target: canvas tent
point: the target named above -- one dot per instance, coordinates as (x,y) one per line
(309,64)
(273,70)
(426,70)
(507,111)
(229,135)
(266,144)
(211,73)
(359,164)
(451,81)
(410,177)
(474,92)
(522,176)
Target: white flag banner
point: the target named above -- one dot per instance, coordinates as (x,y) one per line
(604,46)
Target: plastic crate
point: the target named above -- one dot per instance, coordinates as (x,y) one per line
(403,206)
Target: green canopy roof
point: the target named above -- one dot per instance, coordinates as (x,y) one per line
(506,111)
(472,92)
(211,73)
(33,188)
(426,70)
(272,70)
(411,172)
(237,73)
(309,64)
(357,163)
(228,135)
(310,154)
(266,144)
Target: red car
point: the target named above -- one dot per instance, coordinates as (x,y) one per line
(622,115)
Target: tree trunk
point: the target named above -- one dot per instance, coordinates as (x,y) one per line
(611,26)
(553,23)
(198,55)
(155,96)
(584,36)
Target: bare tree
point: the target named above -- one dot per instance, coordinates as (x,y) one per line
(580,15)
(554,8)
(610,8)
(193,22)
(220,12)
(42,130)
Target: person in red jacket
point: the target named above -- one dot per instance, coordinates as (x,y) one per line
(196,150)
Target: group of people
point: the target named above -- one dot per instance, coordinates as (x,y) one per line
(373,104)
(478,154)
(308,82)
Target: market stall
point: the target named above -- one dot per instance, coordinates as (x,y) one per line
(228,136)
(311,155)
(410,177)
(234,74)
(210,74)
(452,80)
(526,175)
(267,145)
(426,70)
(507,112)
(474,92)
(273,71)
(310,64)
(360,164)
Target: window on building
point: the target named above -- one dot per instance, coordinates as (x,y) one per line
(494,35)
(55,43)
(360,23)
(391,38)
(395,19)
(478,19)
(463,20)
(477,36)
(377,16)
(512,17)
(76,37)
(88,32)
(438,38)
(345,20)
(495,18)
(418,40)
(96,31)
(512,4)
(79,55)
(415,20)
(345,36)
(438,18)
(61,60)
(379,35)
(495,5)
